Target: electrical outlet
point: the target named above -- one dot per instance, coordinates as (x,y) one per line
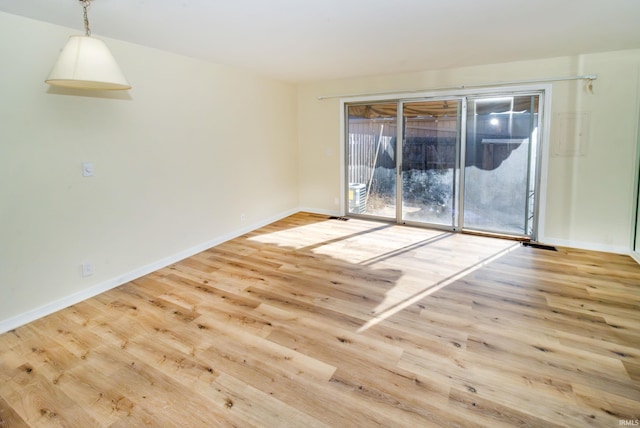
(87,269)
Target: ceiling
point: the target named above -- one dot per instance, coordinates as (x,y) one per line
(306,40)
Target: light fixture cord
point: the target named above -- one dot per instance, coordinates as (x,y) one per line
(85,6)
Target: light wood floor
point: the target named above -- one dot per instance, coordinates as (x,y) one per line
(315,322)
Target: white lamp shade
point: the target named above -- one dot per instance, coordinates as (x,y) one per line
(86,63)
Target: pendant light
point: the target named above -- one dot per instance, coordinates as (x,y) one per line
(86,63)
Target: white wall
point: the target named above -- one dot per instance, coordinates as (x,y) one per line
(590,195)
(177,160)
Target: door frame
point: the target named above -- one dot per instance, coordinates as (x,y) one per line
(542,165)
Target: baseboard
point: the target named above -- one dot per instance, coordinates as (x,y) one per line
(65,302)
(52,307)
(336,213)
(587,246)
(635,256)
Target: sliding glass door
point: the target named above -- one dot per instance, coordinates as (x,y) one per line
(464,163)
(371,158)
(500,164)
(430,143)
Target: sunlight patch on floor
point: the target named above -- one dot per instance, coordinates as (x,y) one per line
(423,260)
(401,296)
(301,236)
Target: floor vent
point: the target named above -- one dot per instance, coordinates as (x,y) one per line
(539,246)
(339,218)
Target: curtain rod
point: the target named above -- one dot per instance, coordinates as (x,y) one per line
(589,77)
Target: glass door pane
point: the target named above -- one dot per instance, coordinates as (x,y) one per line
(500,164)
(429,153)
(371,156)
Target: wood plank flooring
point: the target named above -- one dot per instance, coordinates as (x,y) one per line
(311,322)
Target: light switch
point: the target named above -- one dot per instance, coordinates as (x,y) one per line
(87,169)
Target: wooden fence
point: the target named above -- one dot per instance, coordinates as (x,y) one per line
(372,144)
